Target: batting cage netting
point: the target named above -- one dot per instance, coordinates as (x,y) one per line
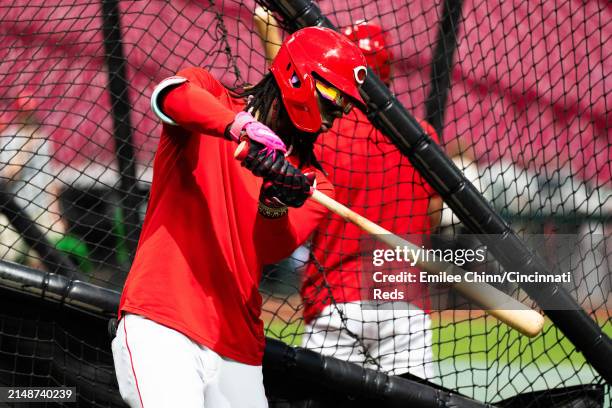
(517,94)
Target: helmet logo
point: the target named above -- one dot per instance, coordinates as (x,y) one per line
(364,44)
(360,74)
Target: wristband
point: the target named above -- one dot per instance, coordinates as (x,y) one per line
(242,119)
(271,212)
(244,122)
(164,86)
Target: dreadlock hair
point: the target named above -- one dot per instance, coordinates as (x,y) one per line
(261,96)
(261,99)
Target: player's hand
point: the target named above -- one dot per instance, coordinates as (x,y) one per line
(291,188)
(264,161)
(284,184)
(245,127)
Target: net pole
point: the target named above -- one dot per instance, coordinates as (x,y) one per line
(442,64)
(118,86)
(358,382)
(53,287)
(389,116)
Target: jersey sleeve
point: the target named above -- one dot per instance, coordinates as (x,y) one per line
(189,99)
(289,232)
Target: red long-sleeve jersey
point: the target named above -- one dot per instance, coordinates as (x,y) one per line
(374,179)
(203,243)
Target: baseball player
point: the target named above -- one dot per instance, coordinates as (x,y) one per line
(373,178)
(26,174)
(376,180)
(189,333)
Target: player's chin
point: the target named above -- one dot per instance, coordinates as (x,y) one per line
(325,126)
(310,135)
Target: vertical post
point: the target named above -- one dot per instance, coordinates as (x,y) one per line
(122,128)
(442,63)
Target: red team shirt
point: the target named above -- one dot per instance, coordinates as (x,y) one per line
(203,243)
(374,179)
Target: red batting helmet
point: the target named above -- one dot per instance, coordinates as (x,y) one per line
(373,43)
(316,52)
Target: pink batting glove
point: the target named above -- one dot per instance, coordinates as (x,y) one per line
(245,123)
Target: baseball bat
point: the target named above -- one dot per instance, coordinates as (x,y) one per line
(494,302)
(268,31)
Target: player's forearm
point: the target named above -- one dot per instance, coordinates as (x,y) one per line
(13,168)
(196,109)
(268,31)
(10,172)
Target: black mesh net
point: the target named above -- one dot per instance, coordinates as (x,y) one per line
(525,118)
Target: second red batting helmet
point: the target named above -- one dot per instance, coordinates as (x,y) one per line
(316,53)
(373,43)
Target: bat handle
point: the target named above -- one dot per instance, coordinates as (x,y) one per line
(241,151)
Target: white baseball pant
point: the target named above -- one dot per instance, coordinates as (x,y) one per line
(395,338)
(158,367)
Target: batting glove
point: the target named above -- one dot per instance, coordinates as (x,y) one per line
(263,161)
(291,188)
(246,127)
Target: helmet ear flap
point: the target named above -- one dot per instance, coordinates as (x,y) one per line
(297,96)
(295,80)
(292,75)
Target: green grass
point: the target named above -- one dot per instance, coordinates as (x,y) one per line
(476,340)
(290,333)
(484,359)
(487,340)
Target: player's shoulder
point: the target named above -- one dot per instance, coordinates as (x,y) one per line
(202,78)
(429,129)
